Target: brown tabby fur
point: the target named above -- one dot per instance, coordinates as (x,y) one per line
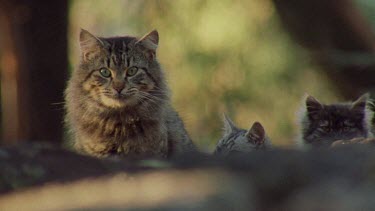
(127,115)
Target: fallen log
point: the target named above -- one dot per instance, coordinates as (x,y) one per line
(35,177)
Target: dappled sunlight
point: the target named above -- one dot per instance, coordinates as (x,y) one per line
(155,189)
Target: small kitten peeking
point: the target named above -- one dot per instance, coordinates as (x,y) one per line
(240,140)
(322,124)
(117,100)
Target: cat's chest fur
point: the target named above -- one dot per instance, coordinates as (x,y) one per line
(123,134)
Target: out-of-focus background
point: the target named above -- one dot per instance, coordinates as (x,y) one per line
(253,60)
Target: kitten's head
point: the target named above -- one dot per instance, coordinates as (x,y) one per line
(323,124)
(240,140)
(120,72)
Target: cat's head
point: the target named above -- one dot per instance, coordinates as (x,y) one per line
(323,124)
(239,140)
(120,72)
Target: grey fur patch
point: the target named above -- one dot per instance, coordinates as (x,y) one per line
(239,140)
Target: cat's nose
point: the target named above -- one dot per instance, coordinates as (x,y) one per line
(118,87)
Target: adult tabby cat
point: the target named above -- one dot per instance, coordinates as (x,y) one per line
(117,100)
(239,140)
(323,124)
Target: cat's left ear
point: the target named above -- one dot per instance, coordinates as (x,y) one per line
(229,126)
(90,45)
(313,107)
(149,44)
(360,104)
(256,134)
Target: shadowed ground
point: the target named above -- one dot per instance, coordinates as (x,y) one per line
(35,177)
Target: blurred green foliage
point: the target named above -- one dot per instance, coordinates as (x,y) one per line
(220,56)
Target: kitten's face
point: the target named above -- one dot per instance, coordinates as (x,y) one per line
(120,72)
(328,123)
(239,140)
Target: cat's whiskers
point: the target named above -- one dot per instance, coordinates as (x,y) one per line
(159,94)
(151,97)
(154,104)
(58,103)
(146,98)
(146,108)
(159,90)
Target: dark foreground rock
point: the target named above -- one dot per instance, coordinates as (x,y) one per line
(37,177)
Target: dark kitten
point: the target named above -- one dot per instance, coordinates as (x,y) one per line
(240,140)
(323,124)
(118,103)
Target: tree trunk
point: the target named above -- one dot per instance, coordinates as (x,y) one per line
(33,59)
(339,39)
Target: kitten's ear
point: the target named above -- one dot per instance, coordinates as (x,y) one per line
(313,106)
(360,104)
(90,45)
(256,133)
(229,126)
(149,43)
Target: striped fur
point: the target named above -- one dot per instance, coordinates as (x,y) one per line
(240,140)
(124,114)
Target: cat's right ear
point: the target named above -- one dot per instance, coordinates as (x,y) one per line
(90,45)
(256,134)
(360,104)
(313,106)
(229,126)
(149,43)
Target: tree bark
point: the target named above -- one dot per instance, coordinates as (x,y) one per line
(339,39)
(33,54)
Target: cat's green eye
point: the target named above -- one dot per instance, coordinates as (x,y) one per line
(105,72)
(132,71)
